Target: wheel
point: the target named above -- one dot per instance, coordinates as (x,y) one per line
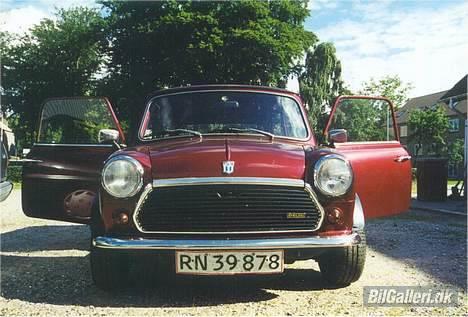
(109,270)
(344,266)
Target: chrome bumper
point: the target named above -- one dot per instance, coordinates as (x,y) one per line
(222,244)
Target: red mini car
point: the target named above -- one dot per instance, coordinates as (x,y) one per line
(224,179)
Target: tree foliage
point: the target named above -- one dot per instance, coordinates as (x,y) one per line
(388,86)
(320,82)
(57,58)
(128,49)
(170,43)
(364,120)
(456,151)
(429,129)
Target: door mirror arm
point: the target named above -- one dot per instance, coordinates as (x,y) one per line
(117,145)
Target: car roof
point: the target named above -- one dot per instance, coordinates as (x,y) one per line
(220,87)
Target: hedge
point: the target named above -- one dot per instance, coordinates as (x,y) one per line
(14,173)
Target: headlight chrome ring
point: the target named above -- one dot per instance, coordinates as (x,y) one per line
(125,180)
(333,175)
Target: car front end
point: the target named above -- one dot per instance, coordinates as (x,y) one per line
(237,187)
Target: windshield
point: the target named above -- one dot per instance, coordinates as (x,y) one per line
(224,112)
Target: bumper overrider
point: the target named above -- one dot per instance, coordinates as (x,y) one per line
(309,242)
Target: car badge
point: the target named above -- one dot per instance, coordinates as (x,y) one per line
(296,215)
(228,167)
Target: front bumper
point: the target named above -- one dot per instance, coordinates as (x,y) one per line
(224,244)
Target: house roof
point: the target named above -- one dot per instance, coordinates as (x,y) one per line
(457,95)
(458,89)
(418,103)
(460,106)
(441,98)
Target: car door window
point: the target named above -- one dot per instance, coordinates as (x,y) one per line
(363,130)
(74,121)
(364,119)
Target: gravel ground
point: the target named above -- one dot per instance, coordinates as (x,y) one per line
(44,271)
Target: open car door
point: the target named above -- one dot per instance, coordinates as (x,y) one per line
(61,174)
(364,130)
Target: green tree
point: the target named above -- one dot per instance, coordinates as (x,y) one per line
(388,86)
(363,119)
(456,151)
(170,43)
(129,49)
(428,129)
(57,58)
(320,82)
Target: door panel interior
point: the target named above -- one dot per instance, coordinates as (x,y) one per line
(61,175)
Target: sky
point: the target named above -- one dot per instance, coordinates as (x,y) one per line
(423,42)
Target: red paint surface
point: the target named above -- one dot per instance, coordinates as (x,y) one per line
(383,185)
(253,157)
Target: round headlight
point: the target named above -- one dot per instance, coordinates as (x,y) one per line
(333,175)
(122,176)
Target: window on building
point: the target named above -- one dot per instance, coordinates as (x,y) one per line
(404,131)
(452,170)
(454,125)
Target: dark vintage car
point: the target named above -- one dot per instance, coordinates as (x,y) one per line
(223,179)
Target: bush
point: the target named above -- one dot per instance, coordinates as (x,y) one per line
(14,173)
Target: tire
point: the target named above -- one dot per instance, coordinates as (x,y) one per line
(344,266)
(109,270)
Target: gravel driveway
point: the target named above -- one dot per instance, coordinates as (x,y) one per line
(44,271)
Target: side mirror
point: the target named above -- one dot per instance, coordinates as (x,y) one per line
(338,136)
(108,136)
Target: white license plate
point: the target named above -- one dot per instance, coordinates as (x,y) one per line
(229,262)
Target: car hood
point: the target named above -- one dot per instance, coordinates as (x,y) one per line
(258,157)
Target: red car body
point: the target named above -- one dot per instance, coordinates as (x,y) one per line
(63,181)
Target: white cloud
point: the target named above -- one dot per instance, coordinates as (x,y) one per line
(316,5)
(425,46)
(19,17)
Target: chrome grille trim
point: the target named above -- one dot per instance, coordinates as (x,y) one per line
(228,180)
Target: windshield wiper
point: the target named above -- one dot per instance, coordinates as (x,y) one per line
(179,131)
(232,129)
